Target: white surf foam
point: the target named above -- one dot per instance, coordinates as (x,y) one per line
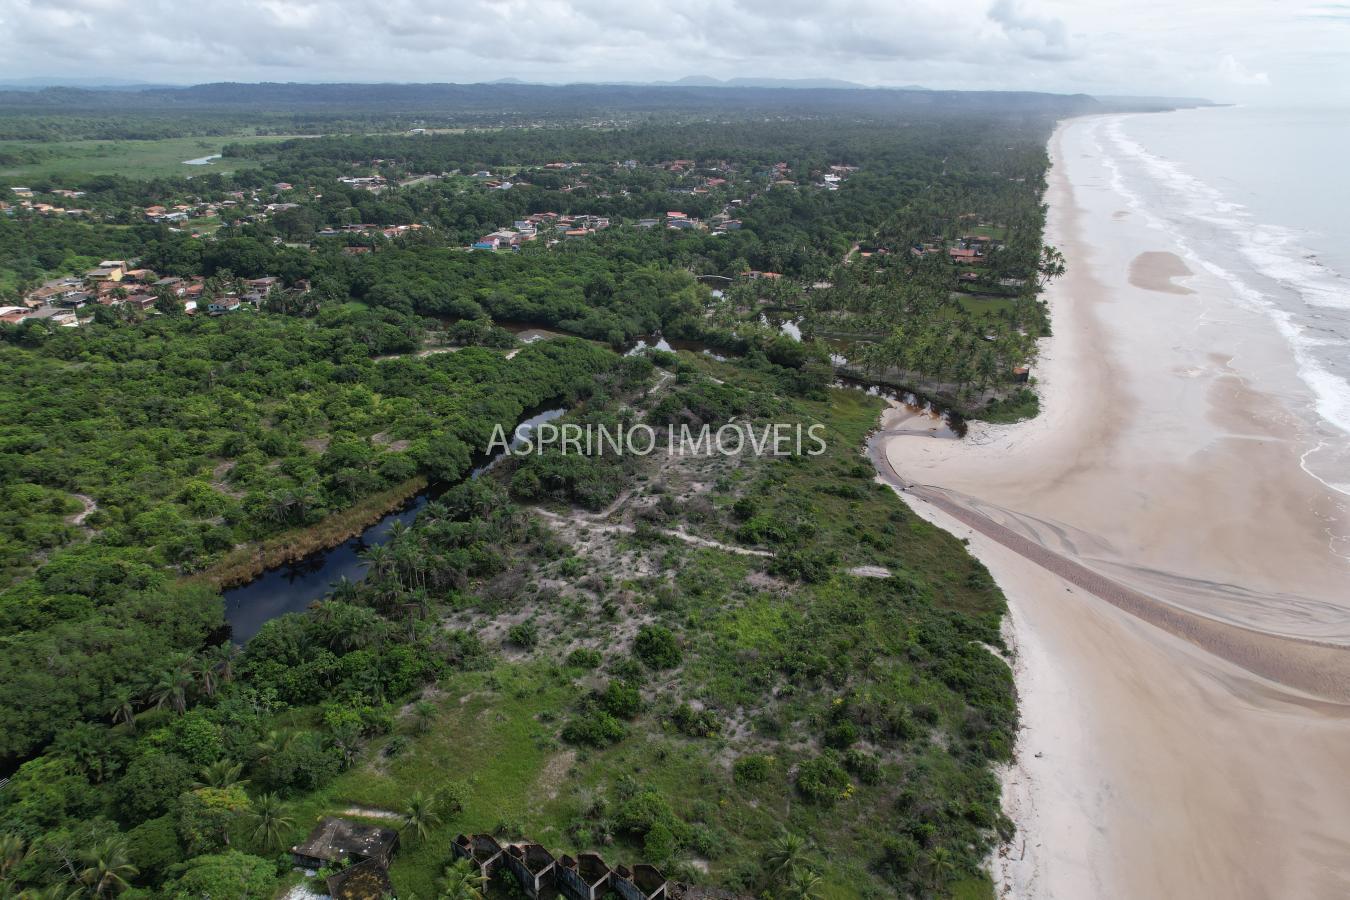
(1272,251)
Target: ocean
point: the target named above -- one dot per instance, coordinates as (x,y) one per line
(1258,198)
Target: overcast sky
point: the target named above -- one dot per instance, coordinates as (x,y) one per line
(1234,50)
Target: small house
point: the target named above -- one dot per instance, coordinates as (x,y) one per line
(336,842)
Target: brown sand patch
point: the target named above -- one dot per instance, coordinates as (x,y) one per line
(384,439)
(1155,269)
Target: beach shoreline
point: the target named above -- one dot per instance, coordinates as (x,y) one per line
(1134,736)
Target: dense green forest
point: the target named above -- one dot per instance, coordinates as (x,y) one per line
(759,673)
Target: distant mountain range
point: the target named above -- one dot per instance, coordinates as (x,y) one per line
(38,83)
(709,81)
(697,94)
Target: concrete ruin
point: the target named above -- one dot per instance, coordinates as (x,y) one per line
(481,850)
(642,882)
(539,873)
(532,865)
(367,880)
(583,878)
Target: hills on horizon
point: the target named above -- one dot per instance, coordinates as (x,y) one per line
(693,95)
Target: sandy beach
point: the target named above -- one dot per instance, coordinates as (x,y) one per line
(1178,602)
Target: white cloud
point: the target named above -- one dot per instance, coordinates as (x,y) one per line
(1234,72)
(1041,37)
(1097,46)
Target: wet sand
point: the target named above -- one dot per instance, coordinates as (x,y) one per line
(1178,613)
(1156,270)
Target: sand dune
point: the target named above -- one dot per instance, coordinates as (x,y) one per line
(1179,615)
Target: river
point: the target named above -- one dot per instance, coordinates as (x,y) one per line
(292,587)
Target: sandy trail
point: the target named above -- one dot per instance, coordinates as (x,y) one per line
(594,522)
(90,507)
(1179,625)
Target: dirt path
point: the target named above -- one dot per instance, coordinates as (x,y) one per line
(426,351)
(90,507)
(370,812)
(584,520)
(592,521)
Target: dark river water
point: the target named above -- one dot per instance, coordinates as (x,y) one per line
(294,586)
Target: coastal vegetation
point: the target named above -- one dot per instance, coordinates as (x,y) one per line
(756,672)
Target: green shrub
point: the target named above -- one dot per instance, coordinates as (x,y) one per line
(594,728)
(810,566)
(695,723)
(841,735)
(753,768)
(823,780)
(583,658)
(227,876)
(524,634)
(656,647)
(153,846)
(620,699)
(863,764)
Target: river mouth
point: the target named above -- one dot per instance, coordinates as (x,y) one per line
(918,415)
(294,586)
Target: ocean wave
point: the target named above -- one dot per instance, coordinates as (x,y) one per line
(1272,251)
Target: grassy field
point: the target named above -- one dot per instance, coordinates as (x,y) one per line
(984,306)
(994,232)
(134,159)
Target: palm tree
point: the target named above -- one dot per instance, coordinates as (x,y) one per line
(222,659)
(940,866)
(419,817)
(124,709)
(805,885)
(171,690)
(377,559)
(271,744)
(423,713)
(12,853)
(203,671)
(785,856)
(269,821)
(461,881)
(221,774)
(59,891)
(344,590)
(108,869)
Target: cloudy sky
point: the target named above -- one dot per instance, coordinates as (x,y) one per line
(1254,51)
